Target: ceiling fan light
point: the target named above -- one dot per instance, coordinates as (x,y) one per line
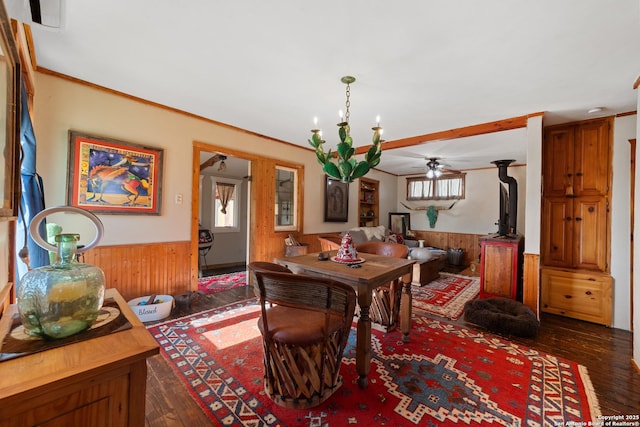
(437,173)
(430,173)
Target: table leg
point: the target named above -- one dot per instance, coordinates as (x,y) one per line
(363,337)
(406,304)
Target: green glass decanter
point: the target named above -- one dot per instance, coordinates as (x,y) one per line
(62,299)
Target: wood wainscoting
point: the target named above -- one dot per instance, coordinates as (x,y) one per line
(164,268)
(469,243)
(144,269)
(531,282)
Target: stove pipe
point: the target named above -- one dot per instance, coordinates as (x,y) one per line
(513,195)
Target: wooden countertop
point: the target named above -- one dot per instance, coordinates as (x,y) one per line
(60,366)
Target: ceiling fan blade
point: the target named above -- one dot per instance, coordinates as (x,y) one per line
(212,160)
(447,170)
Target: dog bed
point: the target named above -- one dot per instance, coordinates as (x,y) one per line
(502,315)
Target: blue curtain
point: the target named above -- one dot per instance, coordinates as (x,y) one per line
(32,195)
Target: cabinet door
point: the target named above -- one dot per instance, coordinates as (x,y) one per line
(558,162)
(95,402)
(591,159)
(558,226)
(498,274)
(590,233)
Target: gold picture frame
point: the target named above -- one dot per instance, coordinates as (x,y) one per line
(114,177)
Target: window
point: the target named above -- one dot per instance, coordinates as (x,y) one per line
(445,187)
(226,204)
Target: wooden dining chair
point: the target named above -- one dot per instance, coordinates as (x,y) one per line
(329,243)
(305,324)
(263,266)
(385,300)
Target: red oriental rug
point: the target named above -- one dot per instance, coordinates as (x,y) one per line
(446,375)
(446,296)
(222,282)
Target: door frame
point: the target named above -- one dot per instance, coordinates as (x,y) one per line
(199,147)
(632,189)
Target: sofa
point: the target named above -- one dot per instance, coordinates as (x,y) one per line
(429,261)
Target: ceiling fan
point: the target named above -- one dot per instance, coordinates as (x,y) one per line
(435,169)
(213,160)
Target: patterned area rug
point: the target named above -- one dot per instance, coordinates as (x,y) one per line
(222,282)
(446,375)
(446,296)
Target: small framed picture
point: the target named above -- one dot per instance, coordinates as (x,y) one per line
(336,201)
(113,177)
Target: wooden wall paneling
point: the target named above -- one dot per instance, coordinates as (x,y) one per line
(266,242)
(262,220)
(144,269)
(531,282)
(470,243)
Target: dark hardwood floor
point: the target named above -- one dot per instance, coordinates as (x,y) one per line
(606,352)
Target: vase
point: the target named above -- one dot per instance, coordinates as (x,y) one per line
(62,299)
(421,253)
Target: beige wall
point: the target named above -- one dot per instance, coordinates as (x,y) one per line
(61,105)
(478,212)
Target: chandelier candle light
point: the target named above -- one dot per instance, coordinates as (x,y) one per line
(341,164)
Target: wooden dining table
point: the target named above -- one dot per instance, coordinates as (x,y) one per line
(376,270)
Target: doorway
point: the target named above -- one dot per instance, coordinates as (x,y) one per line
(220,211)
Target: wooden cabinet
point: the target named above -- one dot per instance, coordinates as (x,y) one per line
(575,199)
(579,294)
(501,261)
(575,237)
(96,382)
(576,159)
(368,208)
(575,232)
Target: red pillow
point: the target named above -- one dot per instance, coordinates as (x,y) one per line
(396,238)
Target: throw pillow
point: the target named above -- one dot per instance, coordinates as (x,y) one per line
(396,238)
(357,236)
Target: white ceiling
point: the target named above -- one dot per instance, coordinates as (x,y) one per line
(424,66)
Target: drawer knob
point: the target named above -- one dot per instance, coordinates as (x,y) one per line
(588,292)
(568,296)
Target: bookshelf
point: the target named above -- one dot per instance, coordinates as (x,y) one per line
(368,207)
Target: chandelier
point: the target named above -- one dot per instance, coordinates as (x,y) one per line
(341,164)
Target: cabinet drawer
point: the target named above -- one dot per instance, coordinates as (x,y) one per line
(577,294)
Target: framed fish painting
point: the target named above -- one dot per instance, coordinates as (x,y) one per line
(113,177)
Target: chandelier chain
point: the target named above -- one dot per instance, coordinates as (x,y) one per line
(347,103)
